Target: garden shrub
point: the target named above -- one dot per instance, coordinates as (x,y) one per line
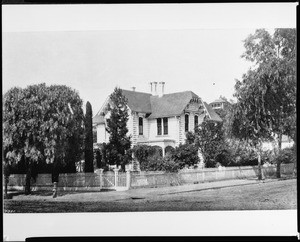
(285,156)
(157,163)
(186,155)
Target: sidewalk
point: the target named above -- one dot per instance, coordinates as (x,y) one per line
(139,193)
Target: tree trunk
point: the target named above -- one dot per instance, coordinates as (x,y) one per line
(6,179)
(259,165)
(28,178)
(278,160)
(55,176)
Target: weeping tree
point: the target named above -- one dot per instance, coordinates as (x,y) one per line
(247,123)
(118,149)
(88,145)
(273,77)
(42,124)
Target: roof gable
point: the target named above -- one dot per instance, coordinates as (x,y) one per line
(170,104)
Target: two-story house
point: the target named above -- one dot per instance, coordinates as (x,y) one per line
(156,118)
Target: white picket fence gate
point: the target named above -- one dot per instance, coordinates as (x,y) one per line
(114,180)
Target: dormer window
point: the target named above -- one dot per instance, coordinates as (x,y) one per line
(140,126)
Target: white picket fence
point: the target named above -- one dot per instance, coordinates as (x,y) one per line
(115,180)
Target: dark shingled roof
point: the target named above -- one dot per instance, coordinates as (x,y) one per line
(165,106)
(170,104)
(138,101)
(213,115)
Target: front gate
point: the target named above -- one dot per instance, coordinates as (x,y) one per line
(114,180)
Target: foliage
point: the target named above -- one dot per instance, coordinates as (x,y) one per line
(157,163)
(43,124)
(118,148)
(287,155)
(209,138)
(88,141)
(143,152)
(169,150)
(186,155)
(267,93)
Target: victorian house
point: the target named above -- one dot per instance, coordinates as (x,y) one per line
(156,118)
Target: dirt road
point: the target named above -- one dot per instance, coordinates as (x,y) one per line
(226,195)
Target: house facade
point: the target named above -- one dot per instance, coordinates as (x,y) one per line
(156,118)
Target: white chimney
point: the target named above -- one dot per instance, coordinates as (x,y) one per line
(162,87)
(151,87)
(155,88)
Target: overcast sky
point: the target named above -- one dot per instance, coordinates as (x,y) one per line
(93,57)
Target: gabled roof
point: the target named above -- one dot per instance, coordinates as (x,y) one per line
(138,101)
(212,114)
(170,104)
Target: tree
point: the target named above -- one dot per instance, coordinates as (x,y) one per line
(209,138)
(88,148)
(274,73)
(42,124)
(247,120)
(118,148)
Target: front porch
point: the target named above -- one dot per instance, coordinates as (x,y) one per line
(163,143)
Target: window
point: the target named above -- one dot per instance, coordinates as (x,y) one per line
(165,120)
(159,126)
(140,126)
(196,121)
(186,127)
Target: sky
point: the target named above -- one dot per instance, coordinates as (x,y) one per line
(94,57)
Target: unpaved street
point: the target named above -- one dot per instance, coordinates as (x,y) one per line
(226,195)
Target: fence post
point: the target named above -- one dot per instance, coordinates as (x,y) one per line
(101,178)
(116,177)
(128,179)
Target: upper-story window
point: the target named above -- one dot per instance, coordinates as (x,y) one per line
(159,128)
(186,123)
(140,126)
(196,120)
(165,120)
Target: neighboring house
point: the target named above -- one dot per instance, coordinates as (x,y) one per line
(220,104)
(286,142)
(156,118)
